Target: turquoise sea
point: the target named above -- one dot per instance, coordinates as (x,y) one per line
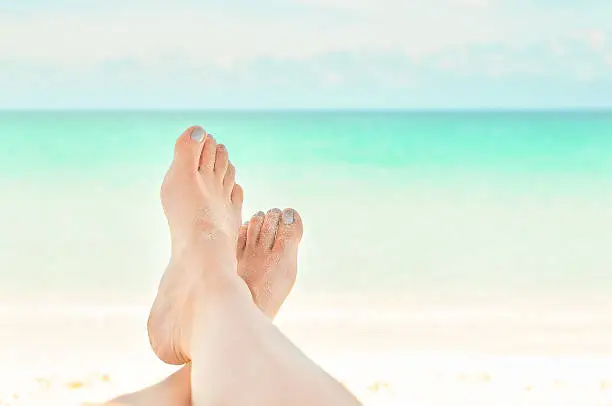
(394,203)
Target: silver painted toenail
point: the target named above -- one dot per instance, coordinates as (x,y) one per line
(260,214)
(198,134)
(288,217)
(275,210)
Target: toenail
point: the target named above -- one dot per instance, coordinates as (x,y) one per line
(260,213)
(198,134)
(275,210)
(288,217)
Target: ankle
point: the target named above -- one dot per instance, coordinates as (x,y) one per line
(218,298)
(205,265)
(193,251)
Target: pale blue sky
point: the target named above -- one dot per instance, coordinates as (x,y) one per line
(306,54)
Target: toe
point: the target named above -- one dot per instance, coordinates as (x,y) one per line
(207,159)
(188,148)
(242,239)
(230,179)
(221,162)
(290,230)
(268,228)
(255,228)
(237,196)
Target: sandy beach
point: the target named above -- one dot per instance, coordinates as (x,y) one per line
(65,355)
(437,381)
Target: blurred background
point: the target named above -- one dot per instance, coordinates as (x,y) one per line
(452,163)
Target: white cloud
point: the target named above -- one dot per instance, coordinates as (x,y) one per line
(338,44)
(222,35)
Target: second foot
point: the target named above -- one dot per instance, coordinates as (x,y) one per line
(267,256)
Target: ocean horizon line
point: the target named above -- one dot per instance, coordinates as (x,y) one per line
(494,110)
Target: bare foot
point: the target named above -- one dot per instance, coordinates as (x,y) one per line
(203,205)
(270,272)
(267,256)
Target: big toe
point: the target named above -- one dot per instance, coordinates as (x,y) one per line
(188,148)
(290,230)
